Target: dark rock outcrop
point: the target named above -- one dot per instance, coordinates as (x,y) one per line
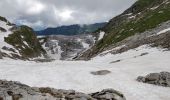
(101,72)
(161,79)
(10,90)
(108,94)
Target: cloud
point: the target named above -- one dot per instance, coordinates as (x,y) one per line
(52,13)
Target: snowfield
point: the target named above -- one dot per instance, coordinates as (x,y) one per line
(76,74)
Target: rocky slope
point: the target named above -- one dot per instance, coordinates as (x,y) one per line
(10,90)
(62,47)
(135,27)
(18,42)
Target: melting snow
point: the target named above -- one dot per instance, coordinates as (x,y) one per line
(76,74)
(101,35)
(153,8)
(132,17)
(163,31)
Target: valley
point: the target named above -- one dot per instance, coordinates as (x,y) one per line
(125,58)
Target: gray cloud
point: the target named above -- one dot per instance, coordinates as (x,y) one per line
(52,13)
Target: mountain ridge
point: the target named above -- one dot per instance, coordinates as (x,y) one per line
(71,29)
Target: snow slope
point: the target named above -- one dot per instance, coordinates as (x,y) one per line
(76,74)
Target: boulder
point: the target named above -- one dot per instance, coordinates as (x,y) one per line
(161,79)
(108,94)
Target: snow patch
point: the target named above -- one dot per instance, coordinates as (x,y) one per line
(26,43)
(131,17)
(101,35)
(163,31)
(153,8)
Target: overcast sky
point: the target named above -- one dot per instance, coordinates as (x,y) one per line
(52,13)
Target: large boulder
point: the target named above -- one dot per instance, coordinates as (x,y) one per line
(10,90)
(161,79)
(108,94)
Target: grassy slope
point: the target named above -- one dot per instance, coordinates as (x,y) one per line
(121,27)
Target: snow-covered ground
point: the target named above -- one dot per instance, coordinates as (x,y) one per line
(76,74)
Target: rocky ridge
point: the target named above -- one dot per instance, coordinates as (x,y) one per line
(10,90)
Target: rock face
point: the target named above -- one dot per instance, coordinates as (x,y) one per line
(10,90)
(66,47)
(161,79)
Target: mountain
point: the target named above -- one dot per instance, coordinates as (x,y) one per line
(71,30)
(142,23)
(18,42)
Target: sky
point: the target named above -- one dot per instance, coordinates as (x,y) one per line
(52,13)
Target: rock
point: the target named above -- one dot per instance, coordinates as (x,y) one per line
(8,49)
(108,94)
(43,60)
(2,29)
(0,55)
(115,61)
(17,91)
(101,72)
(161,79)
(143,54)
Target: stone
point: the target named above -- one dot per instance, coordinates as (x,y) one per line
(101,72)
(115,61)
(108,94)
(161,79)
